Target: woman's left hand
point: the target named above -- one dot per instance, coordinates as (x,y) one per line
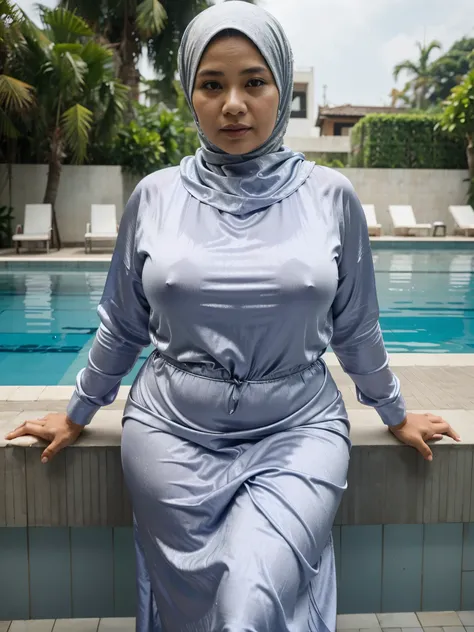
(417,429)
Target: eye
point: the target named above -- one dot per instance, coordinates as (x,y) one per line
(256,83)
(211,85)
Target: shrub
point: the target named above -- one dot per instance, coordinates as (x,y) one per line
(405,141)
(156,137)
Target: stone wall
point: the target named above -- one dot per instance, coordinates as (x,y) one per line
(430,192)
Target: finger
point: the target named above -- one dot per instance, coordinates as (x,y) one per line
(439,421)
(28,428)
(445,428)
(53,448)
(453,434)
(424,449)
(436,437)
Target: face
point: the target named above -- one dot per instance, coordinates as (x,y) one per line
(235,96)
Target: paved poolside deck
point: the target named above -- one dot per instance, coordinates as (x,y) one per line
(388,622)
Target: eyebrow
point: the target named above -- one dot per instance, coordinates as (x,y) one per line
(218,73)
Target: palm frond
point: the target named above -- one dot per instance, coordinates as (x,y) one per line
(99,61)
(7,127)
(15,95)
(72,48)
(407,66)
(37,42)
(90,10)
(76,123)
(65,25)
(10,19)
(69,68)
(115,97)
(425,51)
(151,18)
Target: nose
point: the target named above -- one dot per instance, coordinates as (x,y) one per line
(234,103)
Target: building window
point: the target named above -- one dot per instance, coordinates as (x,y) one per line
(298,105)
(343,129)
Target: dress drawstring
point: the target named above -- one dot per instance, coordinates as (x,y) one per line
(235,395)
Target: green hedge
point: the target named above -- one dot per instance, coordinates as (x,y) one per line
(405,141)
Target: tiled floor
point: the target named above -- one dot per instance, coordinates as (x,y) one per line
(69,625)
(407,622)
(390,622)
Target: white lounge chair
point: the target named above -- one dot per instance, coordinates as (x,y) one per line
(373,226)
(103,225)
(463,218)
(404,221)
(37,226)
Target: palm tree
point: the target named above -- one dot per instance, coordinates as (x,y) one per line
(78,98)
(134,27)
(125,25)
(421,73)
(399,96)
(16,97)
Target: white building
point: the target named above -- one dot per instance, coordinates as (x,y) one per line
(302,133)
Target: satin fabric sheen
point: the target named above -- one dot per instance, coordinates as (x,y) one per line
(236,440)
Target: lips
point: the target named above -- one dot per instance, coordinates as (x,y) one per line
(235,131)
(235,128)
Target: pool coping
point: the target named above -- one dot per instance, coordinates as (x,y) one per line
(388,482)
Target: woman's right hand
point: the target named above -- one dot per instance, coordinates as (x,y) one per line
(56,428)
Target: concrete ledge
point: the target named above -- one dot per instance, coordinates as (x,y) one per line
(389,483)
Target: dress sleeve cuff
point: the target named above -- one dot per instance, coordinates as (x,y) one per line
(393,413)
(80,412)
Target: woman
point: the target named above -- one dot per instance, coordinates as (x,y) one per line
(242,265)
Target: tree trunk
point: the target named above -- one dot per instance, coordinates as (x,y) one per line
(129,75)
(52,184)
(128,55)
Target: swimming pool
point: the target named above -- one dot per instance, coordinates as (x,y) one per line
(48,317)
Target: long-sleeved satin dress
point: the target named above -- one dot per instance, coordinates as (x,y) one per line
(236,440)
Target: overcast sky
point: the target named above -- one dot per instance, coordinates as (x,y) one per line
(353,45)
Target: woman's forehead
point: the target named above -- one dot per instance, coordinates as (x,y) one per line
(233,49)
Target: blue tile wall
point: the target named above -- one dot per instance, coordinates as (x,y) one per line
(48,572)
(14,602)
(402,568)
(468,547)
(442,567)
(360,577)
(92,569)
(124,572)
(468,590)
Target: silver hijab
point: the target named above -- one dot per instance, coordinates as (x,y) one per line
(245,183)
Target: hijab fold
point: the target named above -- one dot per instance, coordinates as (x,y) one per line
(242,184)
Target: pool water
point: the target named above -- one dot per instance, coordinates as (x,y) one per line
(48,318)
